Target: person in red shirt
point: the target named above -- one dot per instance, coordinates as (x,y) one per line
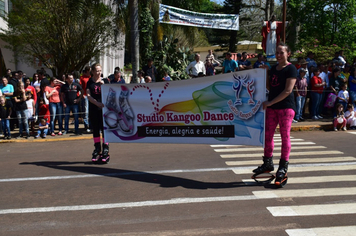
(317,87)
(43,111)
(30,88)
(84,102)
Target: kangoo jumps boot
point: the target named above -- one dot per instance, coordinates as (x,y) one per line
(96,153)
(266,167)
(281,175)
(105,157)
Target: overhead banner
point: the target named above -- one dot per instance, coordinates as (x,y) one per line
(173,15)
(221,109)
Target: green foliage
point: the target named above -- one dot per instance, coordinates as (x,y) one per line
(146,24)
(331,22)
(169,58)
(65,35)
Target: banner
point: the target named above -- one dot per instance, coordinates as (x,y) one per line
(173,15)
(221,109)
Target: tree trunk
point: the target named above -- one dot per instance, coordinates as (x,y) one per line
(135,39)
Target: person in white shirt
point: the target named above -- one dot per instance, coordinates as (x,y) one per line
(196,67)
(350,116)
(343,96)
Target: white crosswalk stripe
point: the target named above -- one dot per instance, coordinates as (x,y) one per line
(306,158)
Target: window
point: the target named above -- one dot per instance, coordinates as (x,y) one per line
(2,7)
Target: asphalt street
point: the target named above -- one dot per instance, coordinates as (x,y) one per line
(52,188)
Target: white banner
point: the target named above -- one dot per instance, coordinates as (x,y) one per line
(173,15)
(221,109)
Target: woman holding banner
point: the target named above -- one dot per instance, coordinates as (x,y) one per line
(280,110)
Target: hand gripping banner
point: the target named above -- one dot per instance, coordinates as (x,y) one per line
(221,109)
(177,16)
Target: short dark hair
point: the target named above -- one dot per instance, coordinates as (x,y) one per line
(87,68)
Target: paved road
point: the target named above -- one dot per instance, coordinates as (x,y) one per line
(169,189)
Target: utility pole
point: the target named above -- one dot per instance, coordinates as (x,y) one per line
(135,39)
(284,21)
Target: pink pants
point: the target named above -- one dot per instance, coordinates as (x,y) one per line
(343,123)
(284,118)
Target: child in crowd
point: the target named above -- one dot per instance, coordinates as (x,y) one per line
(140,74)
(31,111)
(343,96)
(301,87)
(166,77)
(5,113)
(350,116)
(42,128)
(340,117)
(43,110)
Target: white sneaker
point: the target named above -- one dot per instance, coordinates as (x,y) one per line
(344,128)
(320,117)
(335,129)
(295,121)
(315,118)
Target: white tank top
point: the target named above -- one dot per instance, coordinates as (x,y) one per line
(29,107)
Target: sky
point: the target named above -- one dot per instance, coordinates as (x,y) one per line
(219,1)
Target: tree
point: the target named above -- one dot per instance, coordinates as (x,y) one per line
(64,34)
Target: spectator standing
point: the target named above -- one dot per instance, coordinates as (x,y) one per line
(210,67)
(310,60)
(140,75)
(71,101)
(301,87)
(55,106)
(5,113)
(112,76)
(84,102)
(6,88)
(118,79)
(21,109)
(244,64)
(148,79)
(166,76)
(343,96)
(352,85)
(29,88)
(317,86)
(336,80)
(195,67)
(31,111)
(229,65)
(150,70)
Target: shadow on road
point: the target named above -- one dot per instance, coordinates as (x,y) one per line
(164,181)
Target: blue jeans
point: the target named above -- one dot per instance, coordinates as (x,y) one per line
(22,118)
(5,124)
(43,132)
(74,109)
(316,99)
(85,109)
(300,101)
(56,108)
(353,96)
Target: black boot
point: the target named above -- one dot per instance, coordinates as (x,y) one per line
(281,175)
(96,152)
(105,157)
(266,167)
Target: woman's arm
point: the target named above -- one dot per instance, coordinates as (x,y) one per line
(92,100)
(287,90)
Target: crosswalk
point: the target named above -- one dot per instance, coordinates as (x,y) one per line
(307,158)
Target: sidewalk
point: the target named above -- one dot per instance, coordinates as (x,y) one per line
(307,125)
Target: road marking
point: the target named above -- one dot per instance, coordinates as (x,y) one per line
(312,179)
(127,204)
(294,193)
(313,210)
(328,152)
(305,167)
(275,144)
(292,140)
(352,132)
(261,149)
(323,231)
(301,160)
